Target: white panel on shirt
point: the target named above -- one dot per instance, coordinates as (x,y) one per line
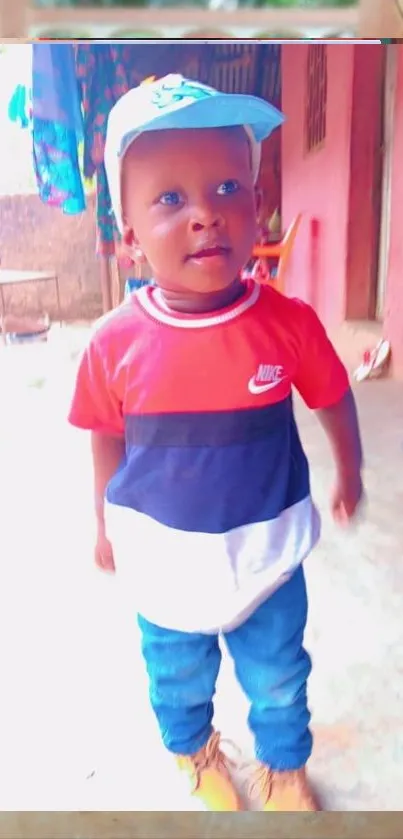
(207,582)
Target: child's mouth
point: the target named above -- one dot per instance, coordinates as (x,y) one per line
(209,253)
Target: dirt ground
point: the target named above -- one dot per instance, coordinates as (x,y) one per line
(76,732)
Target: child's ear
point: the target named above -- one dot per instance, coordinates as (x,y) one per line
(129,247)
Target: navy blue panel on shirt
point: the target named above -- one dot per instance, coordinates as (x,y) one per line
(210,428)
(211,473)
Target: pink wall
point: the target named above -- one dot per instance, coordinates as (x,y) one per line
(393,320)
(365,182)
(317,184)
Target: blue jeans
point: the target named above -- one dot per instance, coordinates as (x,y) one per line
(271,666)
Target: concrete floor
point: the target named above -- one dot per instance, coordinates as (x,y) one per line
(76,732)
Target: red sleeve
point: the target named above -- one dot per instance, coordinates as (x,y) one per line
(321,378)
(94,406)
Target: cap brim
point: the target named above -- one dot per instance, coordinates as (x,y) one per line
(219,111)
(222,110)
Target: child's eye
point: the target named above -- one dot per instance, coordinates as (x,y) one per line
(228,188)
(170,199)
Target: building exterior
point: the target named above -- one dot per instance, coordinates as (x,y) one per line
(394,281)
(337,162)
(346,178)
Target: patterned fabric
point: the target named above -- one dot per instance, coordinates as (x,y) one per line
(18,109)
(74,89)
(104,73)
(54,85)
(56,166)
(107,231)
(57,127)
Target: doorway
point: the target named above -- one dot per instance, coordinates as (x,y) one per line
(371,131)
(389,93)
(253,69)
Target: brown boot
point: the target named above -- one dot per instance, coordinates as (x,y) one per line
(210,777)
(283,792)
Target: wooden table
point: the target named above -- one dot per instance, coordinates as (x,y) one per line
(16,278)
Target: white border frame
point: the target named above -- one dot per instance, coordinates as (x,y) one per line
(370,19)
(19,19)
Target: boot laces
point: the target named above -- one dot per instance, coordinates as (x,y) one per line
(260,786)
(263,781)
(211,756)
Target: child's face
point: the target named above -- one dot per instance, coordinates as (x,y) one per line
(190,206)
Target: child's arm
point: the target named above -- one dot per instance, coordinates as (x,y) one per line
(107,455)
(340,423)
(322,380)
(96,407)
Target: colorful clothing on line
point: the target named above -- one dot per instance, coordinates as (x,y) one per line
(104,74)
(57,127)
(19,109)
(56,165)
(75,87)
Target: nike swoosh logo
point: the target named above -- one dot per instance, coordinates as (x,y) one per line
(256,389)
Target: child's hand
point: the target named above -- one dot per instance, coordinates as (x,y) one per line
(348,496)
(104,553)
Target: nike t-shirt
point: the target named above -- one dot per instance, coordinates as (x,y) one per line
(210,510)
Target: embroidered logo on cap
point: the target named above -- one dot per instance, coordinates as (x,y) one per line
(170,93)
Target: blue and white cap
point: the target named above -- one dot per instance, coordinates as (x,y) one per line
(176,102)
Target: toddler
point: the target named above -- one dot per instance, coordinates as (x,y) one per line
(202,490)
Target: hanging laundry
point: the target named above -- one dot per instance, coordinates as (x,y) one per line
(107,229)
(57,127)
(104,73)
(74,89)
(18,109)
(18,71)
(55,91)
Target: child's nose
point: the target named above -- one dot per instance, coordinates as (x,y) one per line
(205,215)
